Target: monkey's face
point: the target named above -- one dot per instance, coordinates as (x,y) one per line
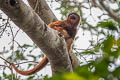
(73,18)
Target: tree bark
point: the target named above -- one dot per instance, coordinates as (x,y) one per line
(43,10)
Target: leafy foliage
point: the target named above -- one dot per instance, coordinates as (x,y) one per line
(108,25)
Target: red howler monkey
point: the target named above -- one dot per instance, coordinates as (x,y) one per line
(66,27)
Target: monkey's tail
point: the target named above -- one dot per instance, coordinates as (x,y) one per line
(34,70)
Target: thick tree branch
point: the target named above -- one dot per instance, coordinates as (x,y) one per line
(43,10)
(46,38)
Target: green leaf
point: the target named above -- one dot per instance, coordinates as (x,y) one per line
(108,43)
(108,25)
(29,65)
(26,46)
(19,55)
(116,72)
(73,76)
(30,78)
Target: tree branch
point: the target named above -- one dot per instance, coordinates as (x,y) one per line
(110,12)
(43,10)
(46,38)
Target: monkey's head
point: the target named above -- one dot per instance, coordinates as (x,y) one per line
(73,18)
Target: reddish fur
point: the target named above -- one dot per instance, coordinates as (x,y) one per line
(34,70)
(60,26)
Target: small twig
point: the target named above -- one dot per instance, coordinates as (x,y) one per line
(95,4)
(3,65)
(90,9)
(12,38)
(17,32)
(9,66)
(19,46)
(5,27)
(82,56)
(5,60)
(26,62)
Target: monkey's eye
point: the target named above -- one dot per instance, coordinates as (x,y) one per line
(72,17)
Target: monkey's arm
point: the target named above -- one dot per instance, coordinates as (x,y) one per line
(57,23)
(34,70)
